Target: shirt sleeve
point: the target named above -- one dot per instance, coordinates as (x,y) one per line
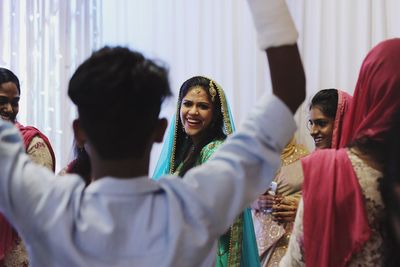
(40,153)
(27,190)
(11,148)
(239,171)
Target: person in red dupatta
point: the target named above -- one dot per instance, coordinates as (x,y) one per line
(341,219)
(327,109)
(38,148)
(36,143)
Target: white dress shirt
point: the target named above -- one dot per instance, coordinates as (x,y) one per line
(140,222)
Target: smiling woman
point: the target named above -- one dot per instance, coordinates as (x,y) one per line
(196,113)
(9,99)
(12,251)
(202,122)
(9,95)
(36,143)
(327,111)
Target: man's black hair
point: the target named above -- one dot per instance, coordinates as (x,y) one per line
(119,94)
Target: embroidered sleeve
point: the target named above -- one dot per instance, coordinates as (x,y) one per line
(17,257)
(209,150)
(40,153)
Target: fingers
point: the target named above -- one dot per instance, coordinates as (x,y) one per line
(285,203)
(266,197)
(266,201)
(289,201)
(284,216)
(265,204)
(284,209)
(281,207)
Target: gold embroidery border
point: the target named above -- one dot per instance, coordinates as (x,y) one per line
(235,242)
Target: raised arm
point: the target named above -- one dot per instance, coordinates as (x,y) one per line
(287,75)
(247,162)
(277,35)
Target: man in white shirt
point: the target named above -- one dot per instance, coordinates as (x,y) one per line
(123,218)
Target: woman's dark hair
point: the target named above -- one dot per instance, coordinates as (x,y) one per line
(391,199)
(7,75)
(326,100)
(185,150)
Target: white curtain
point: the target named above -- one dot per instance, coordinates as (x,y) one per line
(42,42)
(217,39)
(197,37)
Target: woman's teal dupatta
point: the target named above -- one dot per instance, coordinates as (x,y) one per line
(163,166)
(250,255)
(249,252)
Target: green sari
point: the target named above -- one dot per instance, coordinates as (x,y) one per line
(237,247)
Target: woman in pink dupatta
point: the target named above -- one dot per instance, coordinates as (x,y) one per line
(340,219)
(327,111)
(329,107)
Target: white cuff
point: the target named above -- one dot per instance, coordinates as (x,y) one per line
(273,23)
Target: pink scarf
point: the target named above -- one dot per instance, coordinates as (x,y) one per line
(335,221)
(344,101)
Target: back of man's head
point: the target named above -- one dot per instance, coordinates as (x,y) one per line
(119,94)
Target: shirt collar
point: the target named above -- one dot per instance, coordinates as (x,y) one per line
(129,186)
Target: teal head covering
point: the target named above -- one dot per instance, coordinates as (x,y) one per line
(243,249)
(167,162)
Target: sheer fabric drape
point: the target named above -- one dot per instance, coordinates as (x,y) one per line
(42,42)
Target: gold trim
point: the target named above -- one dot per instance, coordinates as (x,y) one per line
(172,161)
(212,90)
(235,242)
(224,110)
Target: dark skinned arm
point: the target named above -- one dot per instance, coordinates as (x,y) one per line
(287,75)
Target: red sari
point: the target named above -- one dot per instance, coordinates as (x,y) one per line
(335,222)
